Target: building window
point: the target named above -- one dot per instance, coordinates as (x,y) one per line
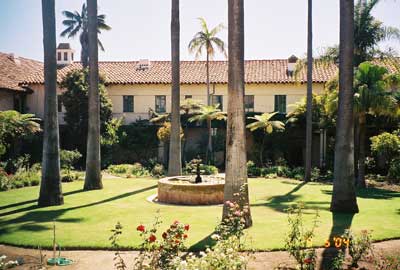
(160,104)
(72,56)
(249,103)
(217,99)
(128,103)
(59,103)
(280,103)
(59,56)
(65,56)
(188,96)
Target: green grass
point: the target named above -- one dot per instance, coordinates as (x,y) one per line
(86,218)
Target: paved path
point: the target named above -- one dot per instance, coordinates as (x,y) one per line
(103,260)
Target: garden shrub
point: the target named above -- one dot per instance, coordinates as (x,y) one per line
(359,246)
(138,170)
(298,241)
(120,168)
(315,174)
(5,183)
(384,262)
(191,168)
(158,170)
(252,169)
(385,146)
(394,171)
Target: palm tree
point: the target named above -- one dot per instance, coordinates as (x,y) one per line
(175,160)
(344,196)
(236,170)
(76,22)
(208,113)
(371,97)
(368,32)
(188,107)
(93,169)
(207,39)
(50,186)
(307,175)
(264,123)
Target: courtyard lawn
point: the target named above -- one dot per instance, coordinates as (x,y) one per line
(86,218)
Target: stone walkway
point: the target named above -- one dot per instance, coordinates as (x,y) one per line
(103,260)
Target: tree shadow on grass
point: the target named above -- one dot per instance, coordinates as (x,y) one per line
(203,243)
(281,203)
(47,215)
(372,193)
(33,201)
(340,223)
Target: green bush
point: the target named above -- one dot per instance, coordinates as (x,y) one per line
(385,146)
(394,171)
(5,183)
(252,169)
(191,168)
(158,170)
(120,169)
(67,178)
(138,170)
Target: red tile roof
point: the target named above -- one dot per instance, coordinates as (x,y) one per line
(194,72)
(15,69)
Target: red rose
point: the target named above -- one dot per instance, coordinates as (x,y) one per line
(307,261)
(185,236)
(177,241)
(141,228)
(164,235)
(152,238)
(187,227)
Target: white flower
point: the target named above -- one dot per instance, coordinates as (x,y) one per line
(229,250)
(202,253)
(215,237)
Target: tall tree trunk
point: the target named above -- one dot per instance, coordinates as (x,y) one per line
(262,151)
(84,48)
(93,167)
(356,144)
(50,186)
(361,156)
(209,142)
(236,169)
(307,176)
(208,79)
(344,195)
(175,160)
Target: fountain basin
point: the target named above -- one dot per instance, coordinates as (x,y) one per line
(182,190)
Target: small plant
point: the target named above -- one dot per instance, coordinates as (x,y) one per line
(337,262)
(160,254)
(158,170)
(394,171)
(359,246)
(315,174)
(190,168)
(298,241)
(252,169)
(7,265)
(119,262)
(67,161)
(383,262)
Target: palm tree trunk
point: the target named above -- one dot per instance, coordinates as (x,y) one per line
(307,176)
(50,186)
(93,169)
(84,48)
(236,170)
(208,79)
(344,195)
(356,144)
(209,142)
(262,151)
(361,156)
(175,160)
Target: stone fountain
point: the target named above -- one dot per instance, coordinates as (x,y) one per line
(192,189)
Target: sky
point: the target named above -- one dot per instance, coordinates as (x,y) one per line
(141,28)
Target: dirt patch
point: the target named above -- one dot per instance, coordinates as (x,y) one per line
(103,260)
